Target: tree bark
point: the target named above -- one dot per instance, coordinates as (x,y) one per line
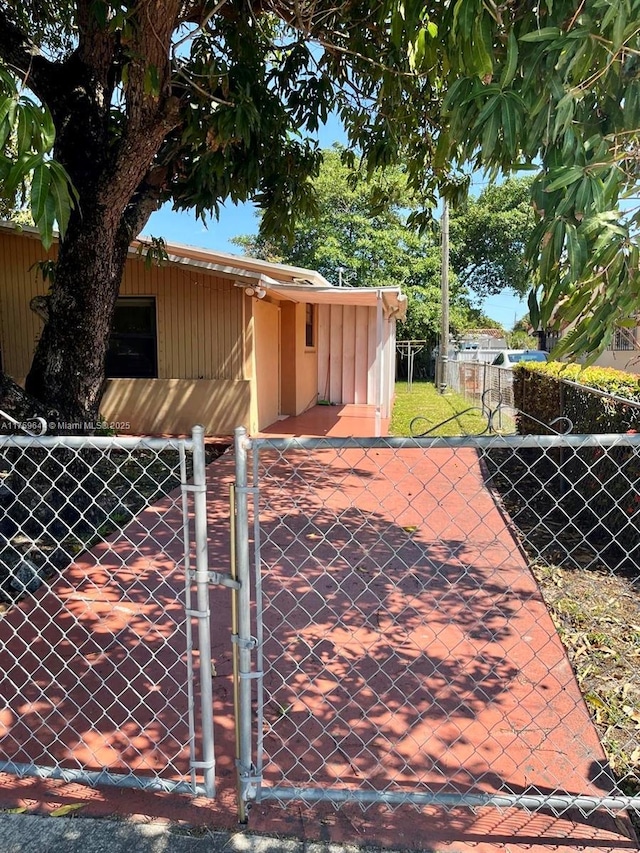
(117,188)
(67,372)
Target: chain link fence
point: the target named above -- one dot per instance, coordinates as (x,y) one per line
(484,385)
(402,643)
(104,623)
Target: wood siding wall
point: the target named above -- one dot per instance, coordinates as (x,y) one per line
(199,315)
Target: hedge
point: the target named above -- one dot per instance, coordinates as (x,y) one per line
(592,490)
(539,391)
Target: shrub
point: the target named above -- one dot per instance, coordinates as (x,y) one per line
(540,392)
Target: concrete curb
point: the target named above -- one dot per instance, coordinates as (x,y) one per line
(40,834)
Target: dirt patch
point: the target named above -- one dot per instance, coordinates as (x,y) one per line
(582,555)
(58,502)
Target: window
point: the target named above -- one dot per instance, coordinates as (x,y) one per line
(623,339)
(133,344)
(310,326)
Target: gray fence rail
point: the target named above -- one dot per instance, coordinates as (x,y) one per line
(105,602)
(396,646)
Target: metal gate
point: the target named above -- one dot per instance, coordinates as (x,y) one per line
(392,643)
(105,630)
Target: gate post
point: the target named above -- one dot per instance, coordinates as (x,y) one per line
(203,612)
(243,640)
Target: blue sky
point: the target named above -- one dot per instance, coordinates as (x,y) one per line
(234,220)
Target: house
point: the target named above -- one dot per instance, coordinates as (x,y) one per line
(623,352)
(478,345)
(217,339)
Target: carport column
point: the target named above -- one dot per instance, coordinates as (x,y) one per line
(379,364)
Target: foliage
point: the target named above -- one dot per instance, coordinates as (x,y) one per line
(489,236)
(423,400)
(27,173)
(521,340)
(359,236)
(597,615)
(196,102)
(522,325)
(558,85)
(540,390)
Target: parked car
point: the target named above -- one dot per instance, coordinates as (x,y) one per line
(509,357)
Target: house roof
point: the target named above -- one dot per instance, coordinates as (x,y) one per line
(483,333)
(282,281)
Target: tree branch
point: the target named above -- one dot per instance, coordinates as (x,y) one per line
(21,54)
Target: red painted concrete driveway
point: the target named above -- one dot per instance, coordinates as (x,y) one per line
(452,621)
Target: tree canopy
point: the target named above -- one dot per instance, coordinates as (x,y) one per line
(195,101)
(489,237)
(358,236)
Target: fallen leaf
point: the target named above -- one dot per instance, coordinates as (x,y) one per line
(65,810)
(633,714)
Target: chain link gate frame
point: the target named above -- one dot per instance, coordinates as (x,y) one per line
(152,646)
(254,760)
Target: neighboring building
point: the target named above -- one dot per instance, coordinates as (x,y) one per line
(217,339)
(623,352)
(481,345)
(485,338)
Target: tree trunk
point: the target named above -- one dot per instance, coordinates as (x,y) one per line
(68,369)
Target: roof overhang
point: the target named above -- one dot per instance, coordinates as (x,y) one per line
(394,303)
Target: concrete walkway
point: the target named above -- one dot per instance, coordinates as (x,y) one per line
(504,709)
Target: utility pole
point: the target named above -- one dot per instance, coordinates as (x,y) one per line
(444,326)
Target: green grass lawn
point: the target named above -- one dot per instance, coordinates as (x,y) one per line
(426,402)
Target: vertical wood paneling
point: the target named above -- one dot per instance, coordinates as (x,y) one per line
(324,324)
(371,357)
(348,354)
(199,316)
(227,342)
(19,283)
(335,361)
(389,361)
(362,354)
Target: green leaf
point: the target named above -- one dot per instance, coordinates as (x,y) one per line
(25,130)
(565,112)
(418,50)
(509,126)
(151,81)
(565,178)
(480,50)
(40,183)
(47,130)
(7,117)
(509,71)
(576,250)
(544,34)
(46,223)
(534,309)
